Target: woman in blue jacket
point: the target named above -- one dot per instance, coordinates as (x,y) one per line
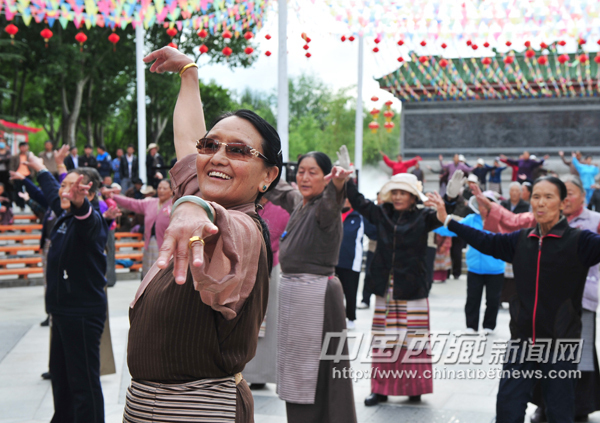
(75,297)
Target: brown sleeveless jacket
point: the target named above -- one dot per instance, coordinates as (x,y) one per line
(175,337)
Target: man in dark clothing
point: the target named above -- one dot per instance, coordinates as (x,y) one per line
(418,172)
(72,160)
(103,161)
(87,160)
(515,204)
(129,168)
(594,203)
(155,166)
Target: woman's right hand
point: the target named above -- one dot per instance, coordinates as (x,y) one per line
(16,176)
(167,59)
(187,221)
(61,154)
(485,205)
(435,200)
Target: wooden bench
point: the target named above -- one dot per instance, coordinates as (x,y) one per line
(24,228)
(27,261)
(29,217)
(20,237)
(15,248)
(121,235)
(22,272)
(136,245)
(130,256)
(135,268)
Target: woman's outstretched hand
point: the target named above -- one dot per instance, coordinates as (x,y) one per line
(435,200)
(485,205)
(78,192)
(167,59)
(339,176)
(187,221)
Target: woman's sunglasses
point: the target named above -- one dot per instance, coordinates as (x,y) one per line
(234,150)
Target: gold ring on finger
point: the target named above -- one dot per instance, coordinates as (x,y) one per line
(195,239)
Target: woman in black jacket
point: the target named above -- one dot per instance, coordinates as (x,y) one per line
(401,286)
(551,263)
(75,297)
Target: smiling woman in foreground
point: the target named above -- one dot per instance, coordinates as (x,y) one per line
(194,328)
(551,262)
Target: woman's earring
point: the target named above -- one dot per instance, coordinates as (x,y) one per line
(264,188)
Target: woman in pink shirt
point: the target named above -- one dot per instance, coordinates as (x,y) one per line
(156,211)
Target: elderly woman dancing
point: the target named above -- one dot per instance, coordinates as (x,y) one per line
(551,263)
(194,328)
(401,286)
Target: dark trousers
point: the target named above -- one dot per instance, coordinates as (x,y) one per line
(111,273)
(18,187)
(349,279)
(515,392)
(368,282)
(456,256)
(493,287)
(75,369)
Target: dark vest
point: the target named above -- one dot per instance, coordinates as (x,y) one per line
(560,284)
(175,337)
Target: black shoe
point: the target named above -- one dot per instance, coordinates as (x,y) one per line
(582,418)
(539,416)
(375,399)
(415,398)
(255,386)
(46,322)
(46,376)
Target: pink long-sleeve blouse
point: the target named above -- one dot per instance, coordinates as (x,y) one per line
(152,215)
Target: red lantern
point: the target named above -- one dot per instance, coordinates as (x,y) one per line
(172,45)
(343,38)
(303,36)
(400,59)
(423,43)
(400,43)
(203,49)
(12,31)
(46,35)
(268,37)
(581,41)
(227,51)
(527,44)
(388,115)
(444,45)
(248,35)
(202,33)
(583,58)
(308,55)
(486,44)
(486,61)
(543,45)
(530,53)
(389,126)
(305,47)
(373,126)
(374,98)
(542,60)
(81,38)
(469,43)
(597,59)
(475,46)
(351,38)
(267,53)
(423,59)
(375,113)
(248,50)
(508,44)
(377,40)
(389,103)
(308,40)
(114,39)
(562,43)
(563,58)
(509,60)
(171,32)
(375,50)
(227,35)
(443,63)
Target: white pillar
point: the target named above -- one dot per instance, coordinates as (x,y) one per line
(282,83)
(358,134)
(140,68)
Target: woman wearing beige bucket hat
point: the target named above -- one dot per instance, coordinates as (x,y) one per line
(400,283)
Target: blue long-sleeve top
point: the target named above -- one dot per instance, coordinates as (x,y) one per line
(587,173)
(496,175)
(76,260)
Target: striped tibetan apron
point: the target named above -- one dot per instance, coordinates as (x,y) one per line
(201,401)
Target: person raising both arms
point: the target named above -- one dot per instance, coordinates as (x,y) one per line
(400,165)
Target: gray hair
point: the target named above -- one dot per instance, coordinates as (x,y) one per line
(575,181)
(515,184)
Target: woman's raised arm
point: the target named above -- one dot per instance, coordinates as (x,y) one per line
(188,118)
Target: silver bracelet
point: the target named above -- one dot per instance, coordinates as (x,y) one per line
(448,219)
(196,200)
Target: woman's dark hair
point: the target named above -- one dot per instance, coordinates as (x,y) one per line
(322,159)
(168,181)
(560,185)
(271,146)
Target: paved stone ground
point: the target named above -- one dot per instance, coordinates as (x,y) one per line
(25,397)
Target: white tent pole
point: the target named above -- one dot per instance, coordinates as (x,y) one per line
(141,99)
(282,83)
(358,134)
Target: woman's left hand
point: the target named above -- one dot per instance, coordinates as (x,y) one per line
(338,176)
(112,213)
(167,59)
(34,162)
(435,200)
(78,192)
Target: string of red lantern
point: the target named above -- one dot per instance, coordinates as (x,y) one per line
(12,31)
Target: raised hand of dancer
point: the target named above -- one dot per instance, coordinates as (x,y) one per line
(78,192)
(61,154)
(338,177)
(436,201)
(187,221)
(167,59)
(112,213)
(485,205)
(455,184)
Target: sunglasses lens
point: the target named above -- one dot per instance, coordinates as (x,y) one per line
(238,151)
(207,146)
